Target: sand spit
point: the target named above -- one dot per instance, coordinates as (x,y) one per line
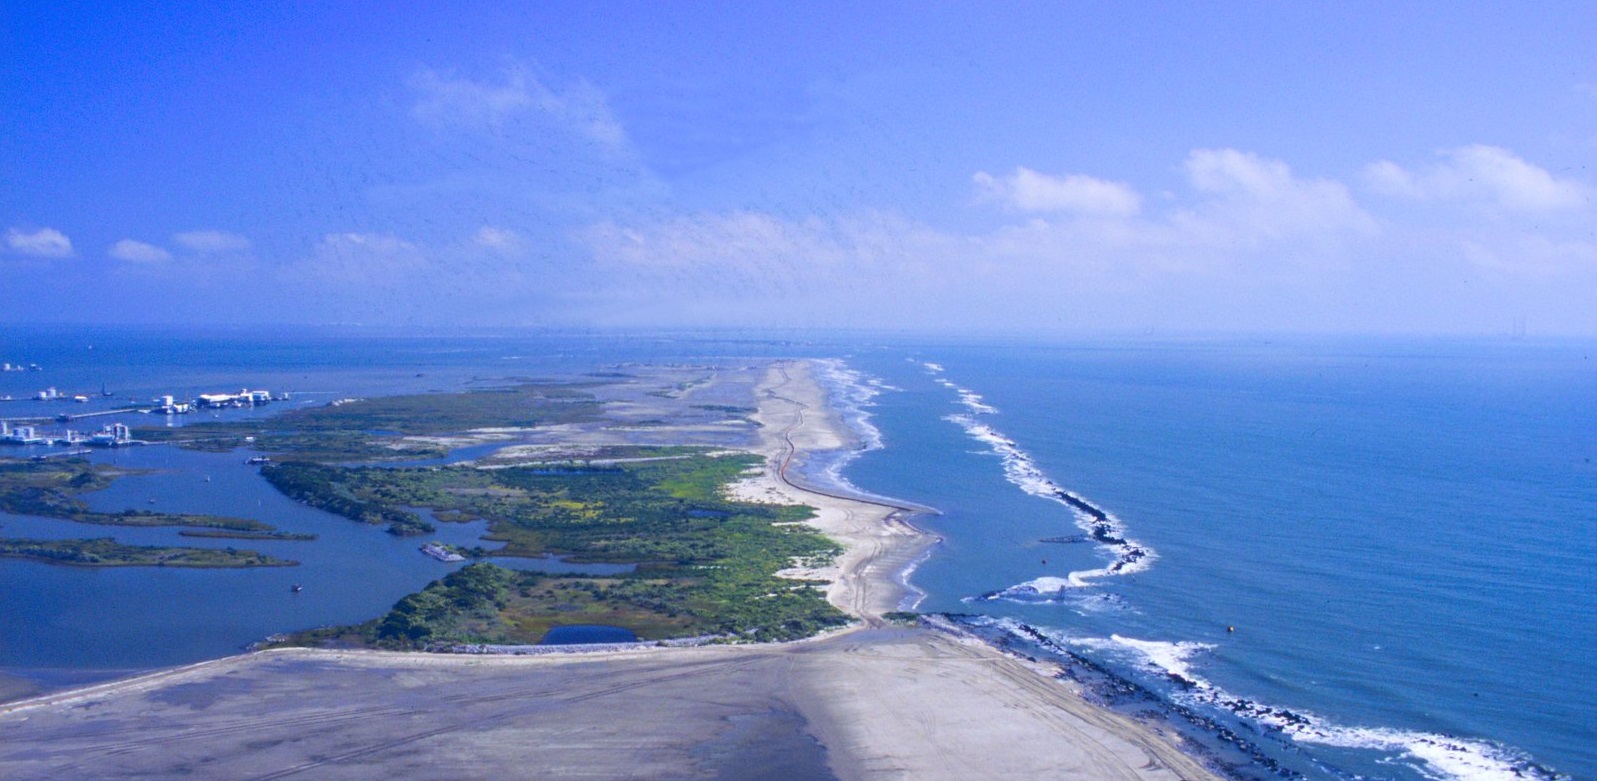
(878,544)
(875,702)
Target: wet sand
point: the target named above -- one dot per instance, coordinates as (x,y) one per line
(873,702)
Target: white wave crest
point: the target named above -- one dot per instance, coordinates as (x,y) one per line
(878,384)
(1041,588)
(1172,658)
(852,392)
(1436,756)
(975,403)
(1108,531)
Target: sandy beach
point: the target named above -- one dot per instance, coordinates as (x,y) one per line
(875,701)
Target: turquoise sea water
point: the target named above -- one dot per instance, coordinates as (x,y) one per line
(1389,542)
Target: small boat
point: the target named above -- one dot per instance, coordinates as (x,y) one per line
(296,588)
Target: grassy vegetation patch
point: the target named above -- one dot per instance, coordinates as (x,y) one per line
(704,565)
(334,489)
(375,429)
(107,552)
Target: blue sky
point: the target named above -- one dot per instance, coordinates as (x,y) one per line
(1048,168)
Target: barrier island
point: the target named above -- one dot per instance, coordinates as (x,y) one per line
(647,469)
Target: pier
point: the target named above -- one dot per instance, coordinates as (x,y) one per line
(68,418)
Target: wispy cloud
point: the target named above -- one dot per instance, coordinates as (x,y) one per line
(1247,200)
(212,241)
(1238,199)
(1030,191)
(757,251)
(746,267)
(449,100)
(485,276)
(1264,244)
(138,252)
(1242,208)
(39,243)
(366,258)
(497,239)
(1484,175)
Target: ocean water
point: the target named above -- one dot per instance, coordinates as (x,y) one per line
(1361,559)
(1367,559)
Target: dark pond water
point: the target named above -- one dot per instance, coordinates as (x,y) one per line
(581,634)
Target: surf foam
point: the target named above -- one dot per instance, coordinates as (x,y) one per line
(851,393)
(1434,755)
(1127,555)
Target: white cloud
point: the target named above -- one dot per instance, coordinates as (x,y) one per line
(370,258)
(445,99)
(138,252)
(1244,210)
(212,241)
(742,268)
(1250,199)
(764,254)
(1030,191)
(1390,178)
(1530,255)
(1085,246)
(1485,175)
(41,243)
(369,243)
(742,249)
(497,239)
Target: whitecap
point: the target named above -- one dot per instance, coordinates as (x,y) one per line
(852,392)
(1042,587)
(1171,658)
(974,401)
(1127,555)
(1434,755)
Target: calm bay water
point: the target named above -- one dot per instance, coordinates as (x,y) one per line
(1391,540)
(61,625)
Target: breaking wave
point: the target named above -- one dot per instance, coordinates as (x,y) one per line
(1436,756)
(1103,528)
(852,393)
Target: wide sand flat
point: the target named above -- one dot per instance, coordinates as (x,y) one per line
(871,703)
